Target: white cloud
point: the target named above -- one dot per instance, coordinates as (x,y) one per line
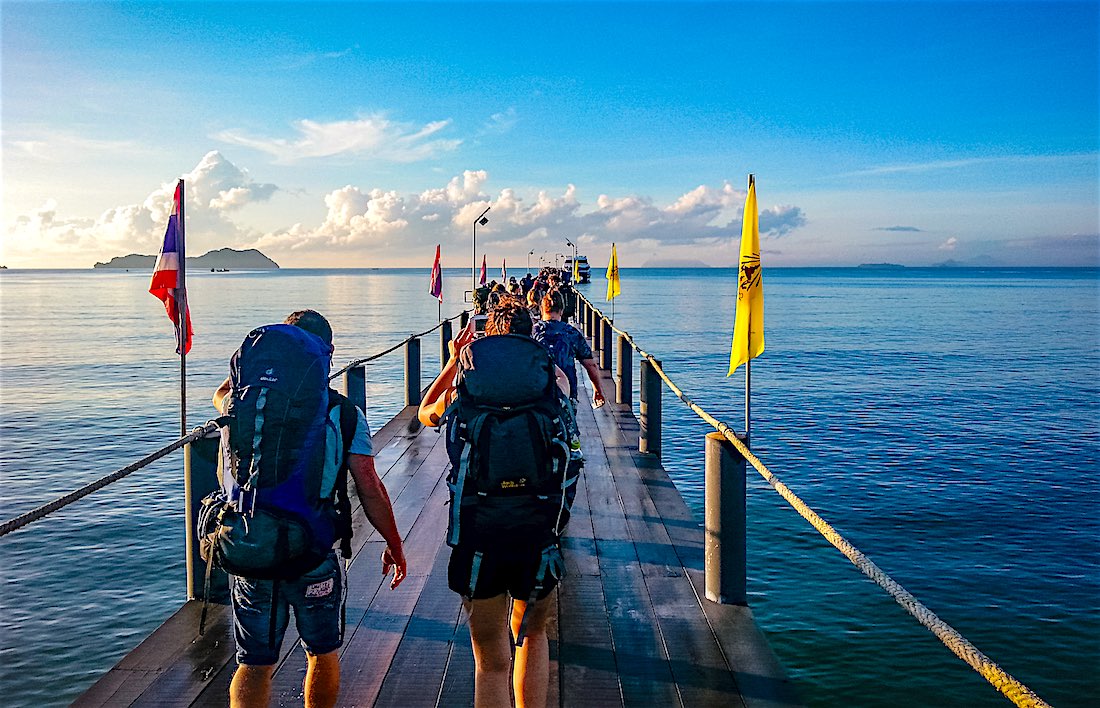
(213,189)
(374,137)
(359,226)
(949,244)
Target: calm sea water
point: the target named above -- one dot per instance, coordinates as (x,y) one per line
(947,422)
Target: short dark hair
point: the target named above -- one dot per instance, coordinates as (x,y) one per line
(552,301)
(312,322)
(509,316)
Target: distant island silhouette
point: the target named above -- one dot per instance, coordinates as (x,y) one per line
(221,259)
(882,266)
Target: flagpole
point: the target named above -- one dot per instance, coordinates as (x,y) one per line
(181,305)
(748,364)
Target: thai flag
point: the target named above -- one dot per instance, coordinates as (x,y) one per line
(482,281)
(165,284)
(504,271)
(436,288)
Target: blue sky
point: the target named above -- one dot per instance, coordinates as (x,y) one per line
(362,134)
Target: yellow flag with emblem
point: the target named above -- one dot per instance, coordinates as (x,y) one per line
(612,275)
(576,269)
(748,328)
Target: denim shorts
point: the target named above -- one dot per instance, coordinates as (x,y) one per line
(261,612)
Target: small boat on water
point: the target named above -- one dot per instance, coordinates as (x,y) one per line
(584,272)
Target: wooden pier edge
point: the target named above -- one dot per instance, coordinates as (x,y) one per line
(633,628)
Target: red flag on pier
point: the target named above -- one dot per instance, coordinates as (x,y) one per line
(436,288)
(165,283)
(504,271)
(483,274)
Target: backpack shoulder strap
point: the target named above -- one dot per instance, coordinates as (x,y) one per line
(349,419)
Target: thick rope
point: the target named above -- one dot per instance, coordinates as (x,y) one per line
(1013,689)
(36,514)
(395,347)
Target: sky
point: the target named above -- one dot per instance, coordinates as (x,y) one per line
(363,134)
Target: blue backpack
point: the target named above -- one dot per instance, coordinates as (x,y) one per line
(272,519)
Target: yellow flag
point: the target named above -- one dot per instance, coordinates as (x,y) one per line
(576,269)
(612,276)
(748,328)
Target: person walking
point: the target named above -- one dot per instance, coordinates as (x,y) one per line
(261,608)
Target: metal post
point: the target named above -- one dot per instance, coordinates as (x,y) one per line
(649,408)
(412,372)
(444,340)
(624,387)
(597,337)
(464,319)
(588,316)
(355,386)
(605,345)
(724,513)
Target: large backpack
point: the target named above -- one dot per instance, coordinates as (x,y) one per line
(273,519)
(556,340)
(512,481)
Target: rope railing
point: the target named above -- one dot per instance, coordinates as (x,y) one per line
(198,433)
(395,347)
(36,514)
(959,645)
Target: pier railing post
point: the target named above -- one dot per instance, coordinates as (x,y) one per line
(605,345)
(624,387)
(464,319)
(355,386)
(412,372)
(649,408)
(588,315)
(724,512)
(444,340)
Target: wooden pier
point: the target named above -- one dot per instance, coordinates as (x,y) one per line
(633,626)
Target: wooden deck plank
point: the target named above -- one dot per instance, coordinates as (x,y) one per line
(632,627)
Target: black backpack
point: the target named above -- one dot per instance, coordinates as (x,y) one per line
(511,480)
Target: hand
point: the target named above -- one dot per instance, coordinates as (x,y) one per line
(396,562)
(464,337)
(598,399)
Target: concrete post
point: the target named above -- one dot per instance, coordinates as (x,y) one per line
(624,386)
(649,408)
(605,345)
(355,386)
(444,340)
(412,372)
(725,522)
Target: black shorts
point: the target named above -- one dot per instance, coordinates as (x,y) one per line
(513,572)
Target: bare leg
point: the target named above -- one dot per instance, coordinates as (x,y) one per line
(492,651)
(532,672)
(322,680)
(251,686)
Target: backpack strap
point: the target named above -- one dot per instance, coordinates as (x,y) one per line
(550,563)
(349,420)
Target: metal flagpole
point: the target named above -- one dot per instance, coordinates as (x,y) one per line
(181,314)
(181,307)
(748,365)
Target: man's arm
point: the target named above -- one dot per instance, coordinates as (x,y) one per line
(435,400)
(589,365)
(376,505)
(220,394)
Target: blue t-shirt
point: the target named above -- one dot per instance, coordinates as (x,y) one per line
(566,345)
(334,446)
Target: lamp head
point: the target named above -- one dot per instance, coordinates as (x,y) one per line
(483,220)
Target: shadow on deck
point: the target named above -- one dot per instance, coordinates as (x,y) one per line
(632,628)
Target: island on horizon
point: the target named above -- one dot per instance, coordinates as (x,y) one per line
(881,266)
(221,259)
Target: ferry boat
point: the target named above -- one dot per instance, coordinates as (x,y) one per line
(583,271)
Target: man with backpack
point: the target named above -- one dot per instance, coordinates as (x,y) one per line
(286,432)
(566,346)
(512,482)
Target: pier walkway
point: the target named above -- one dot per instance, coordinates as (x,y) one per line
(633,626)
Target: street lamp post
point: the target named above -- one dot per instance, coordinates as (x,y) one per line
(570,243)
(529,254)
(482,220)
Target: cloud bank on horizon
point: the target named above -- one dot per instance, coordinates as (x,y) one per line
(373,226)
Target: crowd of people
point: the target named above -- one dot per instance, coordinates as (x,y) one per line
(507,395)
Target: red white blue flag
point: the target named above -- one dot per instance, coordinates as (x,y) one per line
(504,271)
(482,281)
(436,288)
(165,284)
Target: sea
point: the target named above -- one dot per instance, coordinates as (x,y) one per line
(945,420)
